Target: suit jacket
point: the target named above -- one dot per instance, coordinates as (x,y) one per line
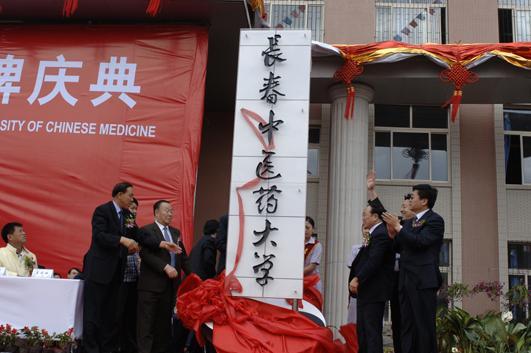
(374,266)
(106,255)
(203,257)
(420,245)
(152,276)
(377,204)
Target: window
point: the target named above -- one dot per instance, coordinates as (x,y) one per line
(297,14)
(514,20)
(519,256)
(411,142)
(313,151)
(411,21)
(517,143)
(445,266)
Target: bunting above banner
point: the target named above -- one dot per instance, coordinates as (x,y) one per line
(456,59)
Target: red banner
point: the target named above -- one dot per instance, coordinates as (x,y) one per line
(84,107)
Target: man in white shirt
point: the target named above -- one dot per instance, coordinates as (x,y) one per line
(17,260)
(158,281)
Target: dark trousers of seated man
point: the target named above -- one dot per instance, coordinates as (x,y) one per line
(369,326)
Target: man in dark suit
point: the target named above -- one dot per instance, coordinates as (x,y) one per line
(157,283)
(103,270)
(371,279)
(203,254)
(113,237)
(419,241)
(394,301)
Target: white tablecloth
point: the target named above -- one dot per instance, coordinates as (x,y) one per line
(52,304)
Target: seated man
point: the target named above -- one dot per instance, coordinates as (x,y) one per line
(17,260)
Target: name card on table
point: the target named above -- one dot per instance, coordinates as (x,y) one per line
(2,271)
(265,247)
(42,273)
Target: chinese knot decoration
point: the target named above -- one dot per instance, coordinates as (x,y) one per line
(348,72)
(459,76)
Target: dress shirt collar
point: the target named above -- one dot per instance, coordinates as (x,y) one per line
(311,241)
(162,227)
(374,227)
(420,214)
(117,208)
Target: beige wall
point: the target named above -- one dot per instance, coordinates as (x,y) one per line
(476,21)
(349,21)
(213,178)
(472,21)
(479,202)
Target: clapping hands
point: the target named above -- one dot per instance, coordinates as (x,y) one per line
(393,224)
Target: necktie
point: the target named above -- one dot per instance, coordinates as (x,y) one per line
(121,219)
(167,237)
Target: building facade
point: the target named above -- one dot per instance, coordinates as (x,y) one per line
(481,164)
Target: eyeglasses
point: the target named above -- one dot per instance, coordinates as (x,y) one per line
(408,196)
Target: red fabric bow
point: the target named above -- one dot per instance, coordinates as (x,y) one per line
(350,334)
(243,325)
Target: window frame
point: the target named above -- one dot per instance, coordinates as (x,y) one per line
(521,134)
(526,273)
(269,7)
(420,6)
(315,179)
(411,129)
(516,7)
(448,269)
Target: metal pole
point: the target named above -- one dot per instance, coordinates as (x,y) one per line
(295,305)
(247,12)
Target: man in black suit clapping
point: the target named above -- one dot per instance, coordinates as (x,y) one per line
(371,279)
(419,240)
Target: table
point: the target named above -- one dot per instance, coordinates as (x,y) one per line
(52,304)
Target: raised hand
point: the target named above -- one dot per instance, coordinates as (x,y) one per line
(371,180)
